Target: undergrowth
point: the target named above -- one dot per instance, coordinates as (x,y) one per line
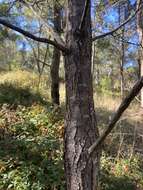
(31,145)
(31,148)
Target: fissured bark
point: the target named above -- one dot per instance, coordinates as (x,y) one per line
(80,124)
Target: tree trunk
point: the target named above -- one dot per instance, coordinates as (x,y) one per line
(140,33)
(122,67)
(141,69)
(80,124)
(122,17)
(55,96)
(56,60)
(95,67)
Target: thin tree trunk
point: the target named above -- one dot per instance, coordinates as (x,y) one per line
(139,67)
(140,33)
(95,66)
(55,96)
(122,66)
(56,60)
(80,124)
(122,8)
(141,59)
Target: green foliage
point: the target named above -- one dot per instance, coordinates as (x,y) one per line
(31,143)
(105,84)
(30,140)
(31,149)
(17,96)
(121,174)
(107,87)
(103,44)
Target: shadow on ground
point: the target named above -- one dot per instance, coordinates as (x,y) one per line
(118,183)
(31,162)
(15,96)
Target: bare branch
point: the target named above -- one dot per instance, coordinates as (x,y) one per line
(46,64)
(126,42)
(124,105)
(84,15)
(33,37)
(116,29)
(54,34)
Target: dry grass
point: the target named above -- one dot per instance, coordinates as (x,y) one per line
(103,102)
(106,102)
(20,78)
(111,104)
(26,79)
(128,133)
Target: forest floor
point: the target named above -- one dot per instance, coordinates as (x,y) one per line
(31,133)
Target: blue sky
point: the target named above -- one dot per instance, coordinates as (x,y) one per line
(110,18)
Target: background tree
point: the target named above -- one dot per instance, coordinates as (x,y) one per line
(55,82)
(140,33)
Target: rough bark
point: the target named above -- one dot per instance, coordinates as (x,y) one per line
(141,69)
(80,124)
(55,96)
(56,60)
(140,33)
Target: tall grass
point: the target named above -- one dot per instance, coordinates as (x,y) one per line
(26,79)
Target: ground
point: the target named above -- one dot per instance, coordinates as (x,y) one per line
(31,133)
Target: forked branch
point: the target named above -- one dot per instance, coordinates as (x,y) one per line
(33,37)
(48,28)
(124,105)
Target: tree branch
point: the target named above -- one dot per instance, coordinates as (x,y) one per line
(124,105)
(46,64)
(53,33)
(126,42)
(33,37)
(116,29)
(83,15)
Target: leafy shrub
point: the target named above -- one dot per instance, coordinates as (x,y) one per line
(18,96)
(31,157)
(121,174)
(31,146)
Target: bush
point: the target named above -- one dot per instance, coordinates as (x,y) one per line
(31,152)
(121,174)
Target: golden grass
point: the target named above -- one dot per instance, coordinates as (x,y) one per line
(106,102)
(22,78)
(26,79)
(19,78)
(31,80)
(111,104)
